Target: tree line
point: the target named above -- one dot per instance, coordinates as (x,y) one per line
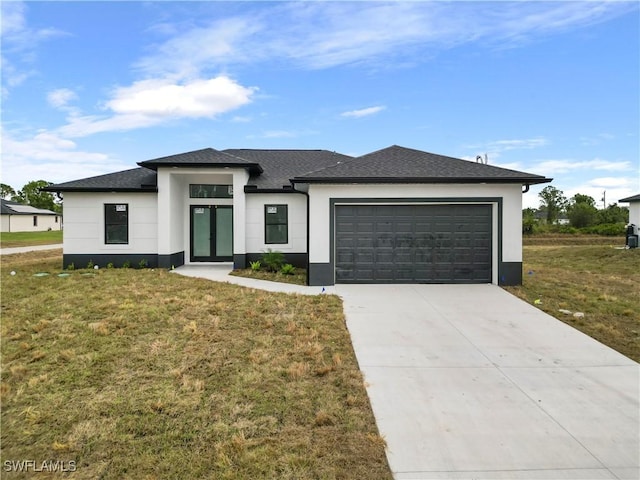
(579,212)
(31,194)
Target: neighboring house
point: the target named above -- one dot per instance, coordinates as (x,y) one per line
(396,215)
(16,217)
(634,208)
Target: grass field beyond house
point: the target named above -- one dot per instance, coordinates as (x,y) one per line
(144,374)
(601,281)
(24,239)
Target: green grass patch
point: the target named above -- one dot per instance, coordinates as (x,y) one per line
(25,239)
(299,276)
(598,280)
(148,374)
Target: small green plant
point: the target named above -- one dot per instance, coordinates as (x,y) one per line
(255,266)
(71,266)
(287,269)
(110,265)
(143,263)
(90,264)
(126,264)
(273,260)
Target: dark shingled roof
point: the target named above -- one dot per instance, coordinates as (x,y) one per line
(397,164)
(279,166)
(633,198)
(135,180)
(273,170)
(207,157)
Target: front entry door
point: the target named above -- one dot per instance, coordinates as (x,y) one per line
(211,233)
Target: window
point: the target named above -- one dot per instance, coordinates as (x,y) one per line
(116,223)
(276,229)
(199,190)
(56,220)
(35,220)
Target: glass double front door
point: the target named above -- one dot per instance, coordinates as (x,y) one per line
(211,233)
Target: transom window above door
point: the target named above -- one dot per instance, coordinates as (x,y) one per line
(200,190)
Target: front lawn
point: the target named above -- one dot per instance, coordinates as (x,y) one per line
(600,281)
(147,374)
(25,239)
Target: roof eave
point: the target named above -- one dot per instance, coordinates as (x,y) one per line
(404,180)
(256,189)
(55,189)
(254,168)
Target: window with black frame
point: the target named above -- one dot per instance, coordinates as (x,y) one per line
(276,224)
(116,223)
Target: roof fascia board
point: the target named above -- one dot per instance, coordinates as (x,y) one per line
(350,180)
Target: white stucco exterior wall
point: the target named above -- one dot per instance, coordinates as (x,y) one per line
(297,219)
(24,223)
(511,195)
(84,223)
(634,213)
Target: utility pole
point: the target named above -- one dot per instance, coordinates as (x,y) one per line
(604,199)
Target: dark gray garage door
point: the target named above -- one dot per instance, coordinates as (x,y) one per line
(413,243)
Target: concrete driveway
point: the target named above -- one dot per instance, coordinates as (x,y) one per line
(467,381)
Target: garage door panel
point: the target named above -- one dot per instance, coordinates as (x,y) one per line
(413,243)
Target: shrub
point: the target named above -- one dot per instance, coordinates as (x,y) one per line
(143,263)
(126,264)
(273,260)
(610,229)
(90,264)
(71,266)
(255,266)
(287,269)
(110,265)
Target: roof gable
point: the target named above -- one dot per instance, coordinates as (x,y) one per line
(207,157)
(397,164)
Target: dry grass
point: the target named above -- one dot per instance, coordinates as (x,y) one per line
(147,374)
(600,281)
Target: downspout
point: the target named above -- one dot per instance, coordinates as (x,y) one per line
(526,188)
(306,194)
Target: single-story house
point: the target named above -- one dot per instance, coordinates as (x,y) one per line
(634,208)
(17,217)
(397,215)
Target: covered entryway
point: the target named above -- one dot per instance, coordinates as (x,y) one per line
(417,243)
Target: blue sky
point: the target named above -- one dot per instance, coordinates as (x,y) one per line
(551,88)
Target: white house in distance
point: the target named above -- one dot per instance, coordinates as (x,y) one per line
(634,208)
(397,215)
(16,217)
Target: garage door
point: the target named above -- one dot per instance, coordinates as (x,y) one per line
(413,243)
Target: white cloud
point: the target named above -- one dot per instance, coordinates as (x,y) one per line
(152,102)
(363,112)
(318,35)
(19,44)
(61,97)
(50,157)
(551,167)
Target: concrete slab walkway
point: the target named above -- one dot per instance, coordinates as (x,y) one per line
(467,381)
(31,248)
(219,272)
